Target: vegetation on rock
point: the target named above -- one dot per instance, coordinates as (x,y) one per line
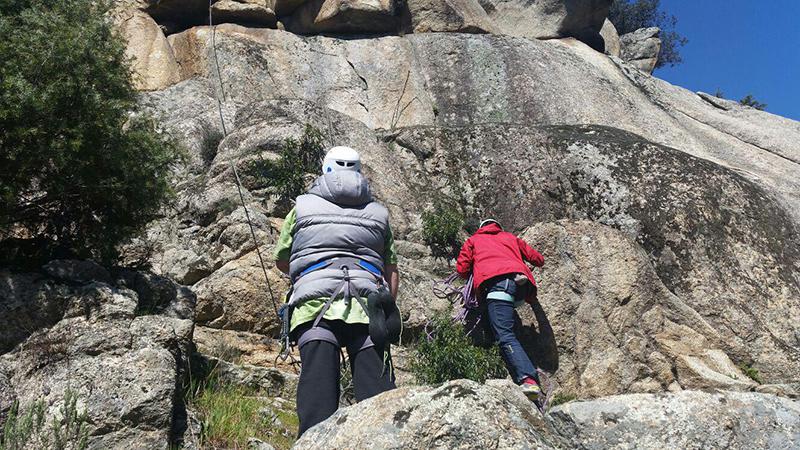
(751,373)
(440,229)
(83,168)
(559,398)
(231,414)
(449,354)
(30,430)
(749,100)
(631,15)
(287,175)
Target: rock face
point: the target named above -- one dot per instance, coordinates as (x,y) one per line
(641,48)
(153,60)
(465,414)
(122,346)
(394,82)
(610,39)
(671,238)
(462,16)
(337,16)
(550,19)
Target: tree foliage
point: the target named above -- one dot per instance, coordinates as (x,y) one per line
(630,15)
(749,100)
(82,167)
(440,229)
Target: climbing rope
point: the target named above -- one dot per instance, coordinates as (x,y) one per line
(235,160)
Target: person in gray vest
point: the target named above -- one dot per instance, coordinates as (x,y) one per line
(338,249)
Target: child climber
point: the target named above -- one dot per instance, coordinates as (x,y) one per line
(502,278)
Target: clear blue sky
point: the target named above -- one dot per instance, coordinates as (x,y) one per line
(741,47)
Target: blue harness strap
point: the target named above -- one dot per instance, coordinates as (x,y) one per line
(317,266)
(343,261)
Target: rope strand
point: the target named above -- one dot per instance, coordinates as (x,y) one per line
(235,160)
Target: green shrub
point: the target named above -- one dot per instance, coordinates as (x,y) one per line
(751,373)
(83,168)
(752,102)
(451,355)
(29,430)
(441,228)
(287,175)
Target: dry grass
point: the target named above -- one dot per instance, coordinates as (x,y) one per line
(231,414)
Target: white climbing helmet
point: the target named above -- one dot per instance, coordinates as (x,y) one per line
(341,158)
(488,221)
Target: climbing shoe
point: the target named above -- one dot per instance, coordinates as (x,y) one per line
(531,388)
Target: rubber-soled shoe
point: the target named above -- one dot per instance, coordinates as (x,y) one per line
(531,389)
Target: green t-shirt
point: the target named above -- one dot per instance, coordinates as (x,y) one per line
(350,312)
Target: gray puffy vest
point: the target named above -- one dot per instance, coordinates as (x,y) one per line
(337,218)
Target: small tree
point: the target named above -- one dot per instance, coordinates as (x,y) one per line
(440,229)
(630,15)
(751,101)
(82,167)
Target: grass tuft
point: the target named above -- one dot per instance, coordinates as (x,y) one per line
(559,398)
(231,414)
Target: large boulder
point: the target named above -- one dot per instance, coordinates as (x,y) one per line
(460,16)
(550,19)
(124,352)
(458,414)
(337,16)
(153,62)
(641,48)
(610,39)
(464,414)
(249,12)
(690,419)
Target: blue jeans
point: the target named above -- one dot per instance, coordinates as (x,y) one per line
(501,319)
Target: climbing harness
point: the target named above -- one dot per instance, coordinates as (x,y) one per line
(282,314)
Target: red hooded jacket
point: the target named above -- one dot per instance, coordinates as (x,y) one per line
(491,252)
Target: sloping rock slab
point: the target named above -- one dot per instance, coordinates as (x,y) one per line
(467,415)
(688,419)
(459,414)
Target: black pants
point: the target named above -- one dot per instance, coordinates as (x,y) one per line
(318,388)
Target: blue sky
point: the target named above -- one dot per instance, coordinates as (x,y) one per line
(740,47)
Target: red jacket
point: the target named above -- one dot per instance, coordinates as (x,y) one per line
(491,252)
